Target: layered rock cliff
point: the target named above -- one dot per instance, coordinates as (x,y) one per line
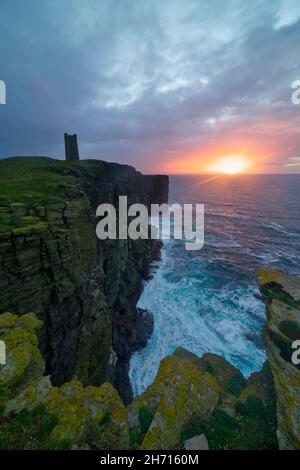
(282,296)
(34,414)
(51,262)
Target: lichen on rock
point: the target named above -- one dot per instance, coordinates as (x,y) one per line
(24,362)
(282,296)
(75,408)
(178,392)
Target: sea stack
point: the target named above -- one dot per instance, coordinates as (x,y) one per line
(71,147)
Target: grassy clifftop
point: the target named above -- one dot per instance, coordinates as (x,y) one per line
(29,184)
(30,180)
(33,180)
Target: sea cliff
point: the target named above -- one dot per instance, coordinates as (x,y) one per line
(83,290)
(281,294)
(65,382)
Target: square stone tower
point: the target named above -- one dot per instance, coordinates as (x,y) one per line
(71,147)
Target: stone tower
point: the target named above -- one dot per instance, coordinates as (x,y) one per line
(71,147)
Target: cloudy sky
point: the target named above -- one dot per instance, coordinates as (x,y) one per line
(163,85)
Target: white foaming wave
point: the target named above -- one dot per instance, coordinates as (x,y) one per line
(250,302)
(242,301)
(213,240)
(180,321)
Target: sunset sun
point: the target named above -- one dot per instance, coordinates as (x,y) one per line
(230,165)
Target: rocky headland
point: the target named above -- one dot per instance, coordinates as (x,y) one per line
(83,290)
(67,362)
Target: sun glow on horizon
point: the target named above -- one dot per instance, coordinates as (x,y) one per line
(230,165)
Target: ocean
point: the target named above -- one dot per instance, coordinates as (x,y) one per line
(206,300)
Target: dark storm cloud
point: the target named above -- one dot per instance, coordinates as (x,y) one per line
(141,81)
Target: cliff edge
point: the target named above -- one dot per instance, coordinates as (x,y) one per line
(83,290)
(282,297)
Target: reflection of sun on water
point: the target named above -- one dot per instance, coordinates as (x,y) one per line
(230,165)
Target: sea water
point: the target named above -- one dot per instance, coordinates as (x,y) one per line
(207,300)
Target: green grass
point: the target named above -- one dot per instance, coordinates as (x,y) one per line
(255,428)
(35,181)
(135,439)
(291,329)
(104,436)
(145,418)
(29,184)
(27,431)
(193,428)
(252,408)
(236,384)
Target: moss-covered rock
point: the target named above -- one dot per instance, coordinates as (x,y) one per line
(29,430)
(261,385)
(230,379)
(224,432)
(76,410)
(278,285)
(178,392)
(282,296)
(24,362)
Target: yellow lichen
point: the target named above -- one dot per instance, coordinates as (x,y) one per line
(266,275)
(7,320)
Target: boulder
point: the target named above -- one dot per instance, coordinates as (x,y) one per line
(80,412)
(230,379)
(196,443)
(178,392)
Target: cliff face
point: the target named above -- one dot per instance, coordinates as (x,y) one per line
(84,290)
(52,417)
(282,296)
